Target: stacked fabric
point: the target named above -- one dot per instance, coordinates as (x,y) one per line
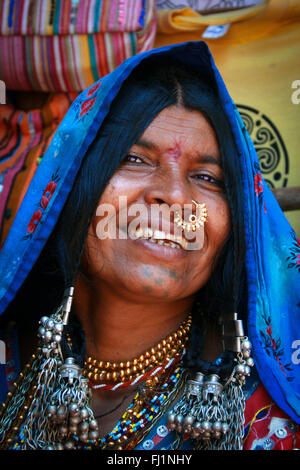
(66,46)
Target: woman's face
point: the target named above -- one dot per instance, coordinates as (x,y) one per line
(176,160)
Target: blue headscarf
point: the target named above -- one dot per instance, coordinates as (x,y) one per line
(272,247)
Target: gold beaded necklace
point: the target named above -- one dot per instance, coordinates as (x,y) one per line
(169,348)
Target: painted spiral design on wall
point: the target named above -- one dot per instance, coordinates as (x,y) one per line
(269,145)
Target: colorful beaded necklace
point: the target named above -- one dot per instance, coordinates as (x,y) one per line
(147,406)
(159,379)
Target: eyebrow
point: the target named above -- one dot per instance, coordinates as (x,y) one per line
(146,144)
(206,158)
(209,159)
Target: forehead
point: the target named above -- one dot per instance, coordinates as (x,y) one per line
(174,116)
(180,128)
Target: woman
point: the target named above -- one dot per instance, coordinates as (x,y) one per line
(145,349)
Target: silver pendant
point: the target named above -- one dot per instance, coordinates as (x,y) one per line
(212,413)
(68,411)
(59,414)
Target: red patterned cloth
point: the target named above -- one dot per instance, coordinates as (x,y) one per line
(267,427)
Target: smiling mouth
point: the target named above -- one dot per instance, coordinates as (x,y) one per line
(159,237)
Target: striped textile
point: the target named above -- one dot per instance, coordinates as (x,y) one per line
(24,138)
(65,45)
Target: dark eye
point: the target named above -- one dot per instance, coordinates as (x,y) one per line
(131,158)
(210,179)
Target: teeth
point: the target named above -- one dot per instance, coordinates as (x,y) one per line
(159,237)
(165,243)
(158,234)
(147,233)
(139,233)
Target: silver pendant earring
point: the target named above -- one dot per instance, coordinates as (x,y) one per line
(212,412)
(59,415)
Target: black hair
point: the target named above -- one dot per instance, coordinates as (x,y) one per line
(150,88)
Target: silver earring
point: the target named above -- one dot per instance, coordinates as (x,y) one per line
(59,415)
(212,412)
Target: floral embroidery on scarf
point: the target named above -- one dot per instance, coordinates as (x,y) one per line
(274,349)
(35,220)
(82,107)
(93,89)
(48,193)
(86,106)
(43,203)
(294,258)
(258,185)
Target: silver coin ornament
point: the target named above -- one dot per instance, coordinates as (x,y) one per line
(206,411)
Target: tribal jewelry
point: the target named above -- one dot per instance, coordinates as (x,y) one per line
(146,408)
(114,375)
(211,412)
(18,401)
(195,221)
(58,403)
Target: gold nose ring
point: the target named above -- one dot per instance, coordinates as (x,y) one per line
(195,221)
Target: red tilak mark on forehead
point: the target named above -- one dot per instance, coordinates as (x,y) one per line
(174,152)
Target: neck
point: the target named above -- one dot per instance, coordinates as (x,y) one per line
(118,328)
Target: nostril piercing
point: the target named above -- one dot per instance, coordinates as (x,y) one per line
(195,221)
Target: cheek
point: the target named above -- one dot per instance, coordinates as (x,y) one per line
(121,182)
(219,224)
(92,259)
(217,229)
(121,186)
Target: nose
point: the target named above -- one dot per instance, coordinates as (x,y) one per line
(170,193)
(169,187)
